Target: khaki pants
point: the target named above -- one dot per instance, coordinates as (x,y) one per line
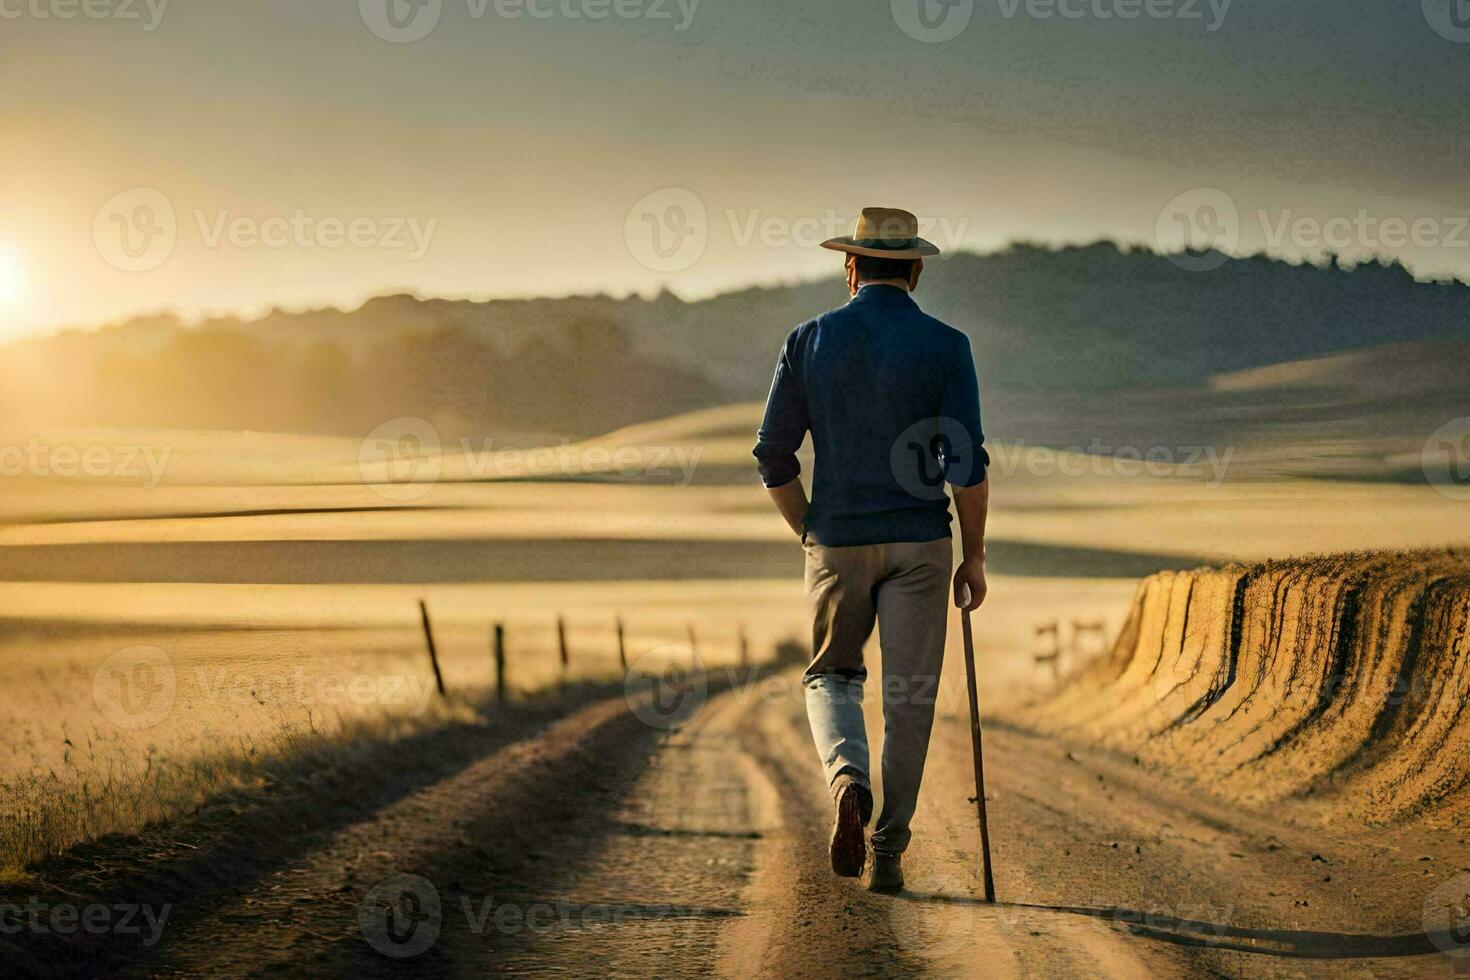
(904,587)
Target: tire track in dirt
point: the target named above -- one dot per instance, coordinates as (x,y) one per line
(645,888)
(810,922)
(490,819)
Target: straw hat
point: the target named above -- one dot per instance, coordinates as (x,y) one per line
(885,233)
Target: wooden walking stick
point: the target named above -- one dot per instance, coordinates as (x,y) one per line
(963,600)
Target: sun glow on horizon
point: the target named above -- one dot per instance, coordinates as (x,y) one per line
(12,278)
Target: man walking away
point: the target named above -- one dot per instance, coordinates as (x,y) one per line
(890,399)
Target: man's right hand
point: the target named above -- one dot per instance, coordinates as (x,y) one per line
(790,500)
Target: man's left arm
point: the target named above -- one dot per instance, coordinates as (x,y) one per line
(968,474)
(972,504)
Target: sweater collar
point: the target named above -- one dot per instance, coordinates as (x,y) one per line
(880,293)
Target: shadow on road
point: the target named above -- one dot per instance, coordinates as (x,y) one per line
(1199,933)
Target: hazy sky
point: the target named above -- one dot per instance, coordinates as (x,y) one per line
(224,155)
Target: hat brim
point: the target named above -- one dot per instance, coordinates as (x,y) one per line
(847,243)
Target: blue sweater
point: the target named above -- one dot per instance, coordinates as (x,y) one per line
(889,396)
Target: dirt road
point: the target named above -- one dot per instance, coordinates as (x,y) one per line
(607,846)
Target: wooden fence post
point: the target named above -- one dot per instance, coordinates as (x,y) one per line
(622,647)
(429,639)
(1052,656)
(500,662)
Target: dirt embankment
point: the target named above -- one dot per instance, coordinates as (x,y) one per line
(1341,681)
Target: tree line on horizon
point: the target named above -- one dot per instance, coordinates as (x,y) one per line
(1092,317)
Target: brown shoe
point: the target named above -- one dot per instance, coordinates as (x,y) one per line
(849,847)
(886,874)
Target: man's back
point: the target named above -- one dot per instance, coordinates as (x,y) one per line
(883,388)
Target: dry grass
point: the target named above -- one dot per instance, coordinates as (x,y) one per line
(103,788)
